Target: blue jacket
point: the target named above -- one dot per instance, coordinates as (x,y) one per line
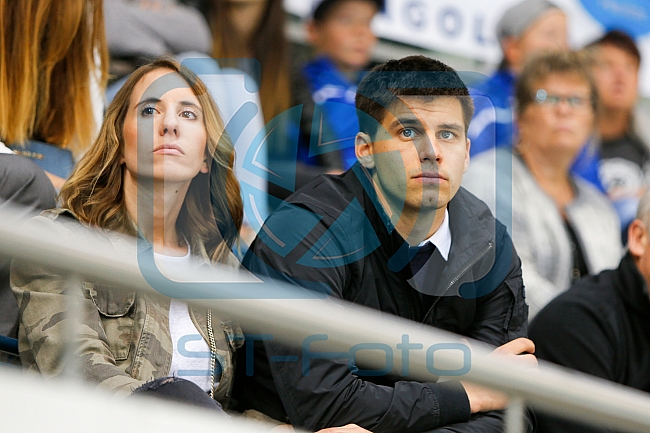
(334,124)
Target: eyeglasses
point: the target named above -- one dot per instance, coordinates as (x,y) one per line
(577,102)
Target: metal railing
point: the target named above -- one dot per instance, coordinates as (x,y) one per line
(291,316)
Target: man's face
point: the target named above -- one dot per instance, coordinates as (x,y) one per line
(345,36)
(419,164)
(548,33)
(617,77)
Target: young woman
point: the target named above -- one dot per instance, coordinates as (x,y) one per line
(162,131)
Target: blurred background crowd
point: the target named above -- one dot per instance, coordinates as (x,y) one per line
(560,88)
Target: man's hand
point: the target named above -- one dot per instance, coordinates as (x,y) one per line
(350,428)
(483,399)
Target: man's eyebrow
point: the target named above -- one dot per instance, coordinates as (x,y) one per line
(405,121)
(453,126)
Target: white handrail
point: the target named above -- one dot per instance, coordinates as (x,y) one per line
(291,317)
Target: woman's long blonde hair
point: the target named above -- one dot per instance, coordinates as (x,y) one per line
(49,52)
(94,191)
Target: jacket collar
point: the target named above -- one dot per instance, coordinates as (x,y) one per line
(468,222)
(632,287)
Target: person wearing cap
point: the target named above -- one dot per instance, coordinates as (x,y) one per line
(600,325)
(525,29)
(340,32)
(624,152)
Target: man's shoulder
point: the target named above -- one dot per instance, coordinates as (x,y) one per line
(470,208)
(594,296)
(327,195)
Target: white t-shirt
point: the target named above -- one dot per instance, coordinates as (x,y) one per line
(191,356)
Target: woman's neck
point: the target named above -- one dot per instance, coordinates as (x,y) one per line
(157,213)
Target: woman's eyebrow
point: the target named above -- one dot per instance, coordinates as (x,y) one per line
(190,104)
(149,100)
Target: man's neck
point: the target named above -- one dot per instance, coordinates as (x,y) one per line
(615,123)
(416,226)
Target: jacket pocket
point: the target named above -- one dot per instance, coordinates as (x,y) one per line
(234,334)
(116,311)
(516,322)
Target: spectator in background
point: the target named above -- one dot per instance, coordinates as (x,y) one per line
(624,167)
(340,33)
(139,31)
(524,30)
(53,68)
(254,29)
(25,190)
(562,227)
(527,28)
(600,325)
(50,86)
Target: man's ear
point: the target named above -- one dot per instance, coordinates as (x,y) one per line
(312,33)
(469,144)
(363,150)
(637,238)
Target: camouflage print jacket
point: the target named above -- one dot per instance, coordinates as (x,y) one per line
(124,339)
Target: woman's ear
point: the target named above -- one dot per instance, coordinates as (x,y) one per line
(363,150)
(204,167)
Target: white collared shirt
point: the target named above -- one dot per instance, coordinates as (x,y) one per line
(441,239)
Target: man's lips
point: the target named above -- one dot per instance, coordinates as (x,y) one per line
(430,177)
(169,149)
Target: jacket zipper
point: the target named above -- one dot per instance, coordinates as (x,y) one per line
(213,352)
(462,272)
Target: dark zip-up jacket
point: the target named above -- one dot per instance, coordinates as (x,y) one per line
(600,326)
(333,236)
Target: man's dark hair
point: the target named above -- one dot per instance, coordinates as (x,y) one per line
(618,39)
(323,10)
(410,76)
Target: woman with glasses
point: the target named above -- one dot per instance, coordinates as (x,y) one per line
(562,227)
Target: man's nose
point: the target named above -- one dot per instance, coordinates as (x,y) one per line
(429,148)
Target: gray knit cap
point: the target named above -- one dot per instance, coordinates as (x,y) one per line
(516,20)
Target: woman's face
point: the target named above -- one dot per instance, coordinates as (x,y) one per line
(164,131)
(560,118)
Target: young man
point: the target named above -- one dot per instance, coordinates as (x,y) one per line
(398,234)
(624,153)
(339,31)
(600,325)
